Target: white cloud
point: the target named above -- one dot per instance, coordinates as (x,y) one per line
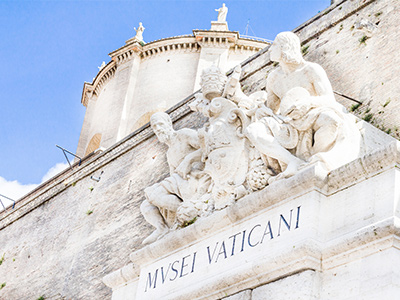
(15,190)
(54,171)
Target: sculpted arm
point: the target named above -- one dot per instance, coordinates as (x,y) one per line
(191,137)
(321,84)
(273,101)
(185,166)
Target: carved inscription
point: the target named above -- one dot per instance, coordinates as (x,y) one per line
(251,236)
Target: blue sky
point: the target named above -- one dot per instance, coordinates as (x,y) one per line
(50,48)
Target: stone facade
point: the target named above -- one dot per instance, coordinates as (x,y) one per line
(316,235)
(66,235)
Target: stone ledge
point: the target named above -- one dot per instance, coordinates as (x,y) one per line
(124,275)
(364,167)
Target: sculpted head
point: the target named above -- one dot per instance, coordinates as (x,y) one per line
(286,49)
(162,126)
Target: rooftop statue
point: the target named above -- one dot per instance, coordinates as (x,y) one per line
(249,141)
(139,32)
(103,64)
(222,12)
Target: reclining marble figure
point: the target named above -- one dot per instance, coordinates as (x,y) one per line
(301,121)
(164,198)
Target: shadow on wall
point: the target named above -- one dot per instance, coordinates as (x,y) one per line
(144,119)
(93,144)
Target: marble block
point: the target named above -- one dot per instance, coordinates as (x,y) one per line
(219,26)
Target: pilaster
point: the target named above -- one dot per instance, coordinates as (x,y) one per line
(132,76)
(215,46)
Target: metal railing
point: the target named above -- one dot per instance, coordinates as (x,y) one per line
(347,97)
(69,152)
(7,199)
(256,38)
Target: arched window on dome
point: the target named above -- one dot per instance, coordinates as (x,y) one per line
(94,143)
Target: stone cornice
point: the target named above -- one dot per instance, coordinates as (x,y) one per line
(127,49)
(91,90)
(215,33)
(185,43)
(220,39)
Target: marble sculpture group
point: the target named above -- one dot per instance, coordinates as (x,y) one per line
(249,142)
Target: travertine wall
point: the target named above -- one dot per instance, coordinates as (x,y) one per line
(62,238)
(63,247)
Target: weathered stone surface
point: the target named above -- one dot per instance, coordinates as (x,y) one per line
(245,295)
(301,286)
(62,242)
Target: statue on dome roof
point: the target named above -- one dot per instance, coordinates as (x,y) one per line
(222,12)
(139,32)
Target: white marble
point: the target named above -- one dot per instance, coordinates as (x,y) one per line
(276,183)
(302,122)
(300,286)
(251,141)
(186,181)
(222,13)
(139,32)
